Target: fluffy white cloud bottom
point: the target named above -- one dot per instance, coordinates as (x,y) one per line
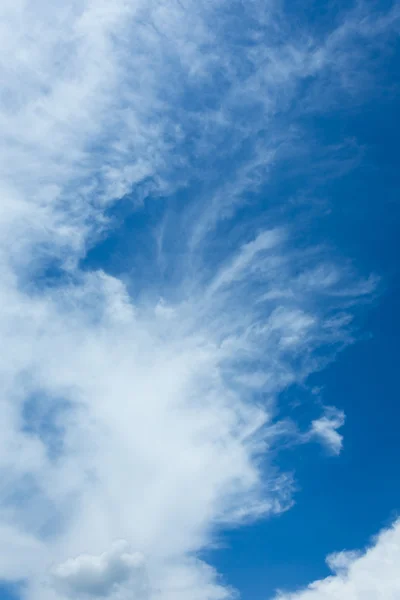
(370,575)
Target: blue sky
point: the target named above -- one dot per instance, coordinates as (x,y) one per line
(199,291)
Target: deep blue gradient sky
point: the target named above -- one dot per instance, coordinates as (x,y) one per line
(200,293)
(340,500)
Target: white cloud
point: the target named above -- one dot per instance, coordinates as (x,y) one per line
(158,441)
(369,575)
(325,429)
(126,419)
(103,575)
(120,573)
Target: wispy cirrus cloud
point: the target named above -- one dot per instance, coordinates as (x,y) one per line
(148,417)
(326,429)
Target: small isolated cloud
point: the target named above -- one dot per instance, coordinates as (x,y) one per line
(104,575)
(370,575)
(325,429)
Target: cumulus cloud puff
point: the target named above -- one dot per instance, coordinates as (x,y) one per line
(102,575)
(372,575)
(120,573)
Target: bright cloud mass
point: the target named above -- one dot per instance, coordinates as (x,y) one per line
(164,292)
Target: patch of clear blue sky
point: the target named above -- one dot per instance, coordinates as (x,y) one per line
(10,591)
